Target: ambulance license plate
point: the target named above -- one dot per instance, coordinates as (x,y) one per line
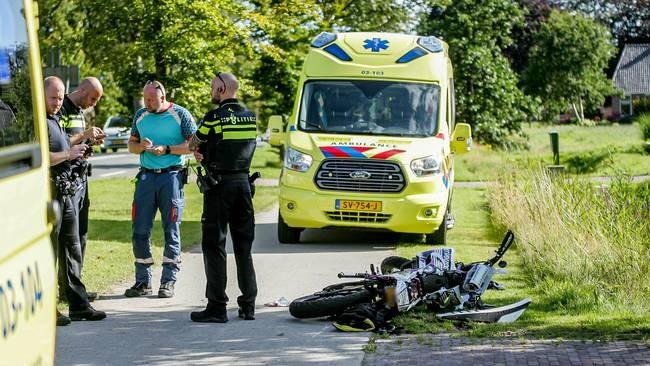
(350,205)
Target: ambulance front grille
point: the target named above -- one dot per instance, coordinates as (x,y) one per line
(355,216)
(363,175)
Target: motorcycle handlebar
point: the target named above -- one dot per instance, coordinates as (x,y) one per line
(355,275)
(503,248)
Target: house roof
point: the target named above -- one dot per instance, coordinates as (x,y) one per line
(632,72)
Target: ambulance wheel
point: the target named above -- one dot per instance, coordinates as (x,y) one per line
(439,236)
(287,234)
(328,303)
(103,150)
(395,264)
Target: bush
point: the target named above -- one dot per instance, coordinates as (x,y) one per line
(586,162)
(644,124)
(588,243)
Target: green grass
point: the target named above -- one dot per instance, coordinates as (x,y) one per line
(556,311)
(109,257)
(623,141)
(267,161)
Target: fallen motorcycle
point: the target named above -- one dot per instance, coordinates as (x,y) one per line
(452,289)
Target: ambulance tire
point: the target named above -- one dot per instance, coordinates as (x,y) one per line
(287,234)
(438,237)
(328,303)
(395,264)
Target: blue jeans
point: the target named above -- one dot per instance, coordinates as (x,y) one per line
(164,192)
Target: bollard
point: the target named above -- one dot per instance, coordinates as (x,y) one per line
(555,146)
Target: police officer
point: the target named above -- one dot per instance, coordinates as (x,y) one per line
(90,90)
(65,236)
(224,144)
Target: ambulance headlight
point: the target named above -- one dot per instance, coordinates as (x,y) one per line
(295,160)
(426,166)
(323,39)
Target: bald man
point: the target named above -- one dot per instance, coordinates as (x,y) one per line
(65,236)
(86,96)
(224,144)
(159,135)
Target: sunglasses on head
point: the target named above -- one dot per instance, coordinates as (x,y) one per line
(157,85)
(218,74)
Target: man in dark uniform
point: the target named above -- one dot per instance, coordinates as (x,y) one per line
(65,236)
(224,144)
(72,119)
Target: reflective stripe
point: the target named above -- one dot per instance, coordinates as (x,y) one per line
(204,130)
(73,121)
(209,123)
(169,260)
(234,127)
(144,261)
(239,135)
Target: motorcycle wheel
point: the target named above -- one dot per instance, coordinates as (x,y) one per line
(333,301)
(395,264)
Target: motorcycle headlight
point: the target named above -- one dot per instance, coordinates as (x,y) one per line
(426,166)
(295,160)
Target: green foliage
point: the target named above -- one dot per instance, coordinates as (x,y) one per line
(644,124)
(486,87)
(586,162)
(567,63)
(17,97)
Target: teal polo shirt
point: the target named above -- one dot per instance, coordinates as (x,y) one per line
(170,127)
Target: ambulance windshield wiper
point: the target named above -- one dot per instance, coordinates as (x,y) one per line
(312,124)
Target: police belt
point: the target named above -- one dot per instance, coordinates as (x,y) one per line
(229,175)
(173,168)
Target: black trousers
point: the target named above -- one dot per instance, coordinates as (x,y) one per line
(229,205)
(83,204)
(65,238)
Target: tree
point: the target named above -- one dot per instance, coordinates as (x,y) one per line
(567,64)
(627,20)
(487,94)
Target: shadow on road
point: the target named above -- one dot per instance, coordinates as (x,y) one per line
(170,338)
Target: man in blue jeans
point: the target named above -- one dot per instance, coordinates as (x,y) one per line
(160,135)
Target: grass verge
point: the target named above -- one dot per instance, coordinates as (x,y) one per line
(557,312)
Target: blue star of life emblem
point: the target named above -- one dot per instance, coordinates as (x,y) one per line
(375,44)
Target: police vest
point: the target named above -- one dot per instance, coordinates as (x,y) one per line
(72,119)
(229,133)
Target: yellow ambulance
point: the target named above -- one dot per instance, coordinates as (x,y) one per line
(371,140)
(27,276)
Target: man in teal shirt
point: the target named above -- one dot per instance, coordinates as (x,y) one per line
(160,135)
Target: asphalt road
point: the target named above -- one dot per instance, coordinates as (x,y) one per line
(118,164)
(154,331)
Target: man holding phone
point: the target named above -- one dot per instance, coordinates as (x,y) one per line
(160,135)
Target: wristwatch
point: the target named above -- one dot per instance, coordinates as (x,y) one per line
(168,149)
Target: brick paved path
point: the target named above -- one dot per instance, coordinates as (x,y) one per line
(443,349)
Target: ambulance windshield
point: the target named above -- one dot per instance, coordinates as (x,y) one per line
(370,107)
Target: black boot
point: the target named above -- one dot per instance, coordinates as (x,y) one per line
(88,313)
(247,312)
(211,314)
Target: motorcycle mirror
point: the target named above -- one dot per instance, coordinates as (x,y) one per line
(503,264)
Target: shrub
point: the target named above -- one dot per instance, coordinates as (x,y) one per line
(644,124)
(586,162)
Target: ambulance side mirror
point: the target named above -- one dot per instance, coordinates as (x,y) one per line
(276,130)
(461,139)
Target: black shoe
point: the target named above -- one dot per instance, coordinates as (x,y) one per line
(139,289)
(88,313)
(247,313)
(92,296)
(206,316)
(62,320)
(166,289)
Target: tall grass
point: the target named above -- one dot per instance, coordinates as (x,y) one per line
(644,124)
(584,247)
